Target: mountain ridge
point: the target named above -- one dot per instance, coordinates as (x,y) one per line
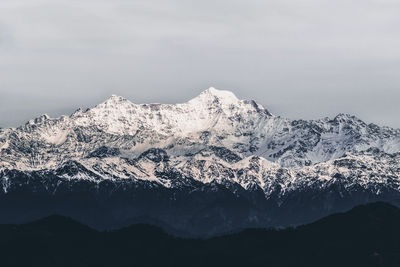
(214,141)
(366,235)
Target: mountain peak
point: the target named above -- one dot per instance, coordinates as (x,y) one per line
(222,94)
(114,102)
(212,95)
(116,98)
(343,117)
(39,119)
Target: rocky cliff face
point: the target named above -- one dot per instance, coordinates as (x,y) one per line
(212,164)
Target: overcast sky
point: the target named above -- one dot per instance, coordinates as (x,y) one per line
(300,59)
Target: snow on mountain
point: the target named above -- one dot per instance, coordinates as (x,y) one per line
(214,137)
(212,109)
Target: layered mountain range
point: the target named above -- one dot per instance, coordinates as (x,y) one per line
(366,236)
(213,164)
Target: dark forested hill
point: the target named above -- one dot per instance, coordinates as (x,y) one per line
(367,235)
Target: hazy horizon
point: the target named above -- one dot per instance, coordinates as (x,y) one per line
(69,111)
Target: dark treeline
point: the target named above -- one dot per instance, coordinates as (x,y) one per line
(368,235)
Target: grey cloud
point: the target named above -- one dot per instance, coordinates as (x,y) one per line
(300,59)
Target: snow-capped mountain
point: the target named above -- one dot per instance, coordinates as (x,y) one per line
(213,142)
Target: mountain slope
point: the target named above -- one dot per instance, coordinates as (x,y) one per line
(129,161)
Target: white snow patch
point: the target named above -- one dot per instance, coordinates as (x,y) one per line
(57,139)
